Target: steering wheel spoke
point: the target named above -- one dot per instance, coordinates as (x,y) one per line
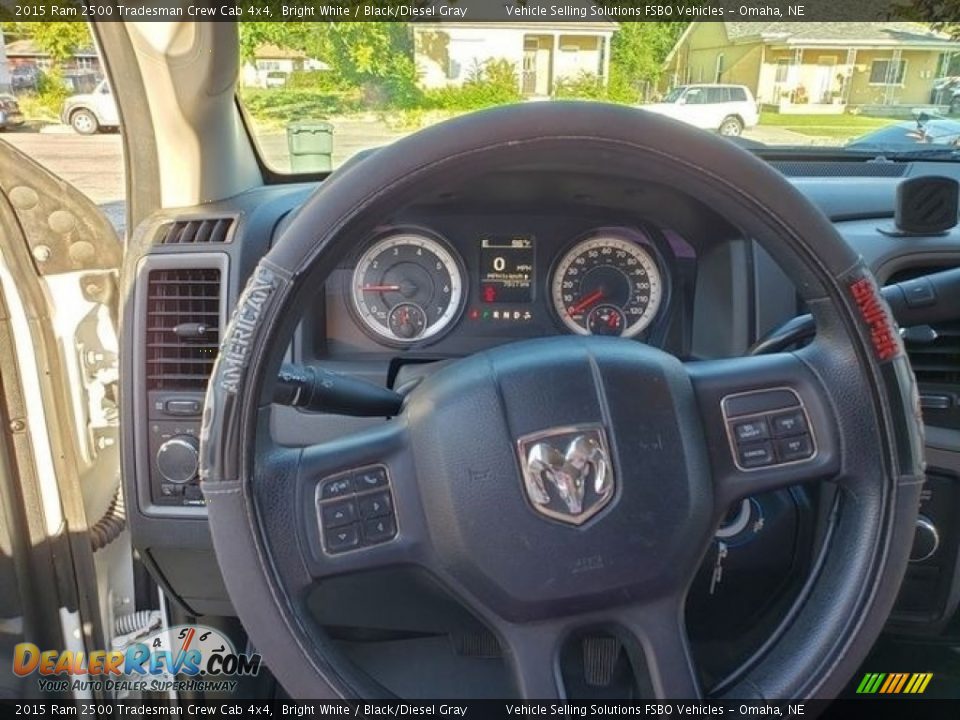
(361,507)
(655,637)
(768,424)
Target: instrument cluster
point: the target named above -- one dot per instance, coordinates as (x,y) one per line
(410,286)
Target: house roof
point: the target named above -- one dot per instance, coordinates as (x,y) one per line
(27,48)
(845,34)
(275,52)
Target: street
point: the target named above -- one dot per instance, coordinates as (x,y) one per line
(94,163)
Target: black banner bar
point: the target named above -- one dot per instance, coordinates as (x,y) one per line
(522,11)
(875,708)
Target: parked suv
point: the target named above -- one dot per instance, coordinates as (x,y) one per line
(728,109)
(90,112)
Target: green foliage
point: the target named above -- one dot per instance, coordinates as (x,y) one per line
(585,86)
(279,106)
(314,80)
(638,51)
(59,40)
(494,82)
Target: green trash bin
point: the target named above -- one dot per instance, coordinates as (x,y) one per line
(311,146)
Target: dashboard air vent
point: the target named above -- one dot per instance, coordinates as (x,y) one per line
(183,328)
(935,353)
(197,231)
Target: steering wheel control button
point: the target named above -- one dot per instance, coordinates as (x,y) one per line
(339,513)
(753,403)
(370,479)
(341,539)
(355,509)
(374,505)
(768,428)
(379,530)
(757,454)
(791,423)
(336,488)
(794,448)
(750,430)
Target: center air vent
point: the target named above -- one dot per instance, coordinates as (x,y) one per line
(197,231)
(935,353)
(183,327)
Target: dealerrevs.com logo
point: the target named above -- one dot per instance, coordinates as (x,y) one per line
(202,657)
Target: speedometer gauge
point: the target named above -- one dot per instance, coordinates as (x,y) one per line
(407,287)
(607,284)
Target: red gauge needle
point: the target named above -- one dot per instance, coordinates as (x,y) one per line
(381,288)
(587,302)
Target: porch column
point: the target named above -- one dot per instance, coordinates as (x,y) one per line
(606,59)
(848,75)
(554,54)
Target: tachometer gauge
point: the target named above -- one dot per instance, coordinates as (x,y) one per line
(607,284)
(407,287)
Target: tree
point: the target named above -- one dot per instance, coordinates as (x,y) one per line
(638,50)
(59,40)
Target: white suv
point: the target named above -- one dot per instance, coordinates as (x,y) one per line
(728,109)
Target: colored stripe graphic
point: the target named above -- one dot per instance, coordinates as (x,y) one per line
(894,683)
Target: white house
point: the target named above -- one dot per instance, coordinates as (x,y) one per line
(271,62)
(543,53)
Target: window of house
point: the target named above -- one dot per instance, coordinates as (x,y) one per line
(887,72)
(783,70)
(719,69)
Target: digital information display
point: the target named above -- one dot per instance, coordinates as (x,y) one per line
(506,269)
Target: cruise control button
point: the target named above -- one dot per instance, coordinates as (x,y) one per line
(789,423)
(336,488)
(751,430)
(757,454)
(374,505)
(370,479)
(379,530)
(342,538)
(338,513)
(794,448)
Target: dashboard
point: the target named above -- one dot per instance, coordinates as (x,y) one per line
(502,258)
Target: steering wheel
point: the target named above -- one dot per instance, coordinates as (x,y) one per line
(555,485)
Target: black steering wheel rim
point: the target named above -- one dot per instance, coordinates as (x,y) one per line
(265,572)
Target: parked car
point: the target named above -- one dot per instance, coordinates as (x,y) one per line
(88,113)
(275,78)
(926,129)
(24,77)
(728,109)
(946,91)
(10,115)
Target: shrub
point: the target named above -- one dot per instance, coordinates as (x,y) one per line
(279,106)
(494,82)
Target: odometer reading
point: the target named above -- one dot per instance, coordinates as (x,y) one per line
(607,284)
(407,287)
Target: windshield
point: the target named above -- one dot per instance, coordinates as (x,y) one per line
(674,95)
(316,94)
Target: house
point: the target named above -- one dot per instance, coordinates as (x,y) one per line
(815,67)
(26,52)
(447,54)
(271,65)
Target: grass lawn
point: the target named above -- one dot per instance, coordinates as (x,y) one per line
(839,127)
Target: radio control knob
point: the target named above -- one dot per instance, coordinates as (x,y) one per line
(926,539)
(178,459)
